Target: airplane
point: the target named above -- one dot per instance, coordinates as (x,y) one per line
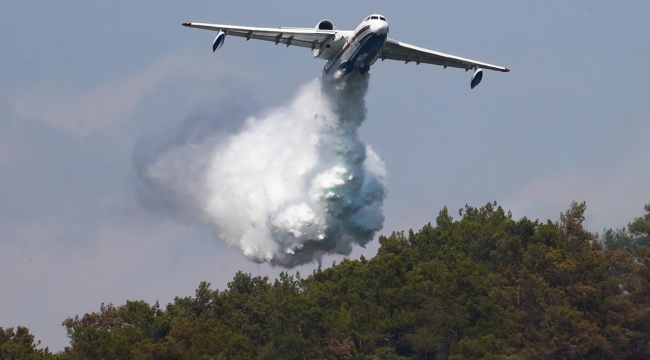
(347,51)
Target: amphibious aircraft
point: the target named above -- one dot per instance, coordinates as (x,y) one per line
(346,50)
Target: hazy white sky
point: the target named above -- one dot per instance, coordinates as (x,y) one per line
(82,82)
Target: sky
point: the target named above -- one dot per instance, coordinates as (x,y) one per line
(83,84)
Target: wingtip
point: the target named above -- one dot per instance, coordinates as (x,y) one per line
(187,24)
(506,70)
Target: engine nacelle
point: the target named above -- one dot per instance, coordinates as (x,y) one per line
(327,50)
(477,77)
(325,25)
(218,41)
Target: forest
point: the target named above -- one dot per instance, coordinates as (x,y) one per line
(485,286)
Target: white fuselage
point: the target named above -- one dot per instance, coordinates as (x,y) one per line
(361,49)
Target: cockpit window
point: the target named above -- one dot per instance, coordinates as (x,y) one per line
(368,18)
(382,18)
(374,18)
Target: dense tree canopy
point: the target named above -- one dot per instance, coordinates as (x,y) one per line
(19,344)
(485,286)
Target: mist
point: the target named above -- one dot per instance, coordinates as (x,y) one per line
(291,185)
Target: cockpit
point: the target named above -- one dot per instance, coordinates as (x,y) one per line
(375,17)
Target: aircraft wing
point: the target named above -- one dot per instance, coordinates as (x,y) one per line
(396,50)
(303,37)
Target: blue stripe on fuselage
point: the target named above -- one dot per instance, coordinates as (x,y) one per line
(368,52)
(331,63)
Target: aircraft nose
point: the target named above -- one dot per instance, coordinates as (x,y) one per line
(379,27)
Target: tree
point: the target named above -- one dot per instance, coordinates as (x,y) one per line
(640,228)
(637,234)
(18,344)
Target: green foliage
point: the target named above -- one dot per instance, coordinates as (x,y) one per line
(636,235)
(640,227)
(19,344)
(486,286)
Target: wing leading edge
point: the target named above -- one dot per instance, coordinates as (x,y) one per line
(303,37)
(397,50)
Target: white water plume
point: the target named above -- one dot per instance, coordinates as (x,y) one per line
(292,185)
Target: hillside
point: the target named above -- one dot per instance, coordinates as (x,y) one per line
(485,286)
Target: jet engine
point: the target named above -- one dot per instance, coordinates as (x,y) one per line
(328,49)
(477,77)
(218,41)
(325,25)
